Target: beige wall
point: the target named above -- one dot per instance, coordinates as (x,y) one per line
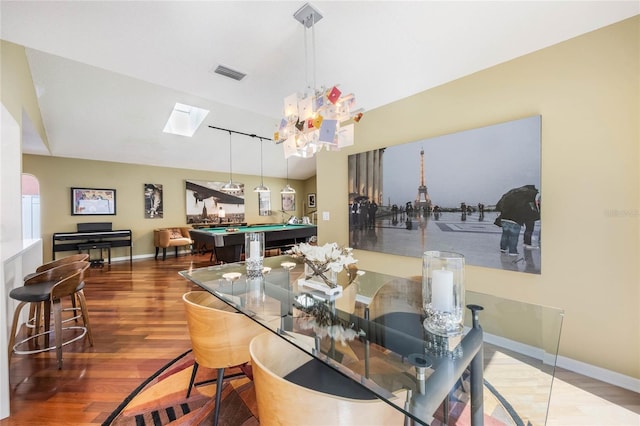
(58,175)
(17,91)
(587,91)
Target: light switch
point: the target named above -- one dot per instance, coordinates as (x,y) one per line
(326,216)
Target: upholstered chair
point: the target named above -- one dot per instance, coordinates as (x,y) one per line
(171,237)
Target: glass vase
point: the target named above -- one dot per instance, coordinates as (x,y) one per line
(254,253)
(320,274)
(443,292)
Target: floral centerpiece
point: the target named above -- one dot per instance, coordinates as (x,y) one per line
(324,262)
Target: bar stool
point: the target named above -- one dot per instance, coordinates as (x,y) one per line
(35,309)
(49,287)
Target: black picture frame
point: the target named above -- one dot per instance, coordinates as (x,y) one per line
(153,201)
(93,202)
(311,200)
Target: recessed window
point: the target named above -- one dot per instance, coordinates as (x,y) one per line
(185,120)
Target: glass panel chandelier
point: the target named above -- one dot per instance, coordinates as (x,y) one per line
(315,119)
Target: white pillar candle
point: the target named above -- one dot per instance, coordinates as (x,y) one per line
(254,250)
(442,290)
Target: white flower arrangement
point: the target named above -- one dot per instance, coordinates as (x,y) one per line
(329,256)
(322,259)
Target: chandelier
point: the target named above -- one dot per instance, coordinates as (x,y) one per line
(315,118)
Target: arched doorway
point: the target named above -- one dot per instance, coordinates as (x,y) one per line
(30,207)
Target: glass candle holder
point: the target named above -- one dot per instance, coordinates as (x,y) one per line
(443,292)
(254,253)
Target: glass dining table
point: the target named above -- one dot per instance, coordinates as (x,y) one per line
(380,344)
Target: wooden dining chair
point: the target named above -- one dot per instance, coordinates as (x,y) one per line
(220,337)
(292,388)
(50,287)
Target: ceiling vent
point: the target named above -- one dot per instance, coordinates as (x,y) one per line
(228,72)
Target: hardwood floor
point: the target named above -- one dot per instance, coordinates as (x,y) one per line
(139,325)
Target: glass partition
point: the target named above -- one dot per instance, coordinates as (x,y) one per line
(520,352)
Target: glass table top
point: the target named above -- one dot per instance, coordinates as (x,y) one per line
(373,332)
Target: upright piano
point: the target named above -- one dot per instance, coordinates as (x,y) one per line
(98,234)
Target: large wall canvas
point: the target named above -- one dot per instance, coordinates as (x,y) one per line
(207,204)
(446,192)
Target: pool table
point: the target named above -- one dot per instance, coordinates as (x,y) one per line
(227,243)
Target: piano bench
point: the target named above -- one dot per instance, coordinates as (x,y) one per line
(96,246)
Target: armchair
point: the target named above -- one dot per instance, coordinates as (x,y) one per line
(171,237)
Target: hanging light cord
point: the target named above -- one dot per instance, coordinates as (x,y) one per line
(230,163)
(310,84)
(313,48)
(261,171)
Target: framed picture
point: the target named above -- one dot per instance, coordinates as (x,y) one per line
(428,207)
(311,200)
(153,208)
(93,201)
(206,202)
(264,203)
(288,202)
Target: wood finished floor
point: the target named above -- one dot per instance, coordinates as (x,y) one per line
(139,325)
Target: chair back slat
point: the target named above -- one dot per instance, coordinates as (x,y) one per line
(67,259)
(58,273)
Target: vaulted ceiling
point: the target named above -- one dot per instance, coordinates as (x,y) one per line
(108,73)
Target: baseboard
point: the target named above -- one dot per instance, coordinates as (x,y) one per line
(579,367)
(598,373)
(141,256)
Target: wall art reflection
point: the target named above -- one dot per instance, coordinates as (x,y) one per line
(475,192)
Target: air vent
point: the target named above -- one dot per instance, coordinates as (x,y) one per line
(228,72)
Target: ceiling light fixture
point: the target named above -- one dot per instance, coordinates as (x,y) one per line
(261,187)
(231,186)
(312,120)
(288,189)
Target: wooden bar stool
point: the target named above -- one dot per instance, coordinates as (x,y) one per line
(35,309)
(49,288)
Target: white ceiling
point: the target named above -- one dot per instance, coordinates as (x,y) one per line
(108,73)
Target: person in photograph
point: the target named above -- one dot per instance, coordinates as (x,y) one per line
(516,207)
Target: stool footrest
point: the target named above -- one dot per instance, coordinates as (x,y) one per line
(50,348)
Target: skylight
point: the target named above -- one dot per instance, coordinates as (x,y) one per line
(185,120)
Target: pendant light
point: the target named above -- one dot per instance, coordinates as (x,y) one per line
(231,186)
(288,189)
(261,187)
